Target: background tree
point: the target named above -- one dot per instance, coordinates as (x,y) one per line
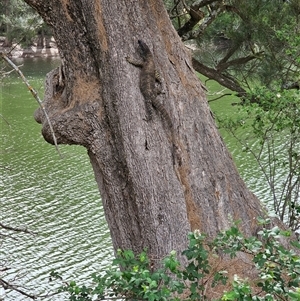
(19,23)
(241,43)
(156,184)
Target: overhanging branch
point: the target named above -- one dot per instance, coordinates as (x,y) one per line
(238,61)
(222,79)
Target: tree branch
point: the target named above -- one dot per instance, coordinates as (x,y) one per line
(238,61)
(7,285)
(222,79)
(195,16)
(202,3)
(223,95)
(185,32)
(230,53)
(16,229)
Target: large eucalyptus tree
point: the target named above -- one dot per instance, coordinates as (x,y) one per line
(153,190)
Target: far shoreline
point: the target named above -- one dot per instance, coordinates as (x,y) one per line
(17,51)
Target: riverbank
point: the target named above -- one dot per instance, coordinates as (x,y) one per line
(17,51)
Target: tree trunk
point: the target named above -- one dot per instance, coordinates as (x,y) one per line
(40,40)
(155,185)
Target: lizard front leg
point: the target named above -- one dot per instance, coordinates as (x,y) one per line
(134,62)
(139,63)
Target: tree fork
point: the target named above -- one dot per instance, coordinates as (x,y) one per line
(150,199)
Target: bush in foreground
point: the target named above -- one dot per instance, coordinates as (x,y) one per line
(215,271)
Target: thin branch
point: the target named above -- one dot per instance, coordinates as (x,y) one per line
(231,51)
(217,8)
(7,285)
(8,72)
(195,16)
(222,79)
(5,120)
(16,229)
(35,95)
(174,7)
(202,3)
(223,95)
(238,61)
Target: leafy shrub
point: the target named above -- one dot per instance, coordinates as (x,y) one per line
(132,277)
(267,127)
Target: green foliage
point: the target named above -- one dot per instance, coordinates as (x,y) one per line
(135,280)
(132,277)
(20,23)
(279,268)
(269,122)
(247,42)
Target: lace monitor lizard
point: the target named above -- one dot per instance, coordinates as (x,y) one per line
(148,78)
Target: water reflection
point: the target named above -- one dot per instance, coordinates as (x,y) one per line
(57,198)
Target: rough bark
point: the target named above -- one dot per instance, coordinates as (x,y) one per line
(151,194)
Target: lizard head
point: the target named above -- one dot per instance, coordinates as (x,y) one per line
(143,48)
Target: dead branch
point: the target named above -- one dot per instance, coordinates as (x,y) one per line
(6,285)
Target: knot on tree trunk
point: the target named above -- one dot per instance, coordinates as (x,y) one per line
(72,120)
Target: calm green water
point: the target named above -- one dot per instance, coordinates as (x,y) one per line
(57,198)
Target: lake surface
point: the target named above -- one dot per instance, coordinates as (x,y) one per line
(56,198)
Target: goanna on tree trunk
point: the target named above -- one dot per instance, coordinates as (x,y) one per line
(153,190)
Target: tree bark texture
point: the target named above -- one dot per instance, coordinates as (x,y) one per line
(152,193)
